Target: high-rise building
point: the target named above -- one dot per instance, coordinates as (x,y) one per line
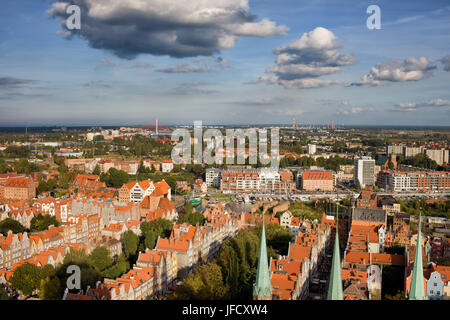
(395,149)
(213,177)
(409,152)
(311,149)
(438,155)
(364,171)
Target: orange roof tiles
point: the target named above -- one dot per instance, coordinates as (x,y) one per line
(172,245)
(17,182)
(283,285)
(298,252)
(317,175)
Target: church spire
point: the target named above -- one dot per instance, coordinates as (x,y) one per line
(335,291)
(262,289)
(416,289)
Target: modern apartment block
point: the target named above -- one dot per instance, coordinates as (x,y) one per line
(414,181)
(213,177)
(438,155)
(311,149)
(364,171)
(395,149)
(264,180)
(409,152)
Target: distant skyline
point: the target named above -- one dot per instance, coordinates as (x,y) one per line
(225,62)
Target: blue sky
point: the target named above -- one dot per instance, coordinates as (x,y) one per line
(136,77)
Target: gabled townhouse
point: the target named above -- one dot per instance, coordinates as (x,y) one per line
(52,237)
(36,244)
(289,278)
(88,183)
(60,208)
(19,247)
(137,284)
(184,251)
(116,230)
(165,265)
(136,191)
(159,207)
(113,245)
(100,292)
(24,217)
(292,223)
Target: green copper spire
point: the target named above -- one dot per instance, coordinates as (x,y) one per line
(262,287)
(416,290)
(335,291)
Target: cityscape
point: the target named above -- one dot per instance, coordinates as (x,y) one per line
(224,151)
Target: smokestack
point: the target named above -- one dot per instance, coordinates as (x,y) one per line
(156,126)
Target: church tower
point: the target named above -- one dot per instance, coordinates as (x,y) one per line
(262,288)
(416,289)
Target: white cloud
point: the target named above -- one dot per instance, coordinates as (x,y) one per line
(263,28)
(415,106)
(410,69)
(208,64)
(355,110)
(285,112)
(301,63)
(181,28)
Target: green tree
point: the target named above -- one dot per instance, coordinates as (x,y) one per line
(130,243)
(391,165)
(41,222)
(188,208)
(196,217)
(4,295)
(100,258)
(76,257)
(121,267)
(96,170)
(116,178)
(43,186)
(89,276)
(400,295)
(278,238)
(26,278)
(205,283)
(50,289)
(11,224)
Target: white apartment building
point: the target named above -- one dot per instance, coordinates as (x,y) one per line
(213,177)
(311,149)
(409,152)
(438,155)
(364,171)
